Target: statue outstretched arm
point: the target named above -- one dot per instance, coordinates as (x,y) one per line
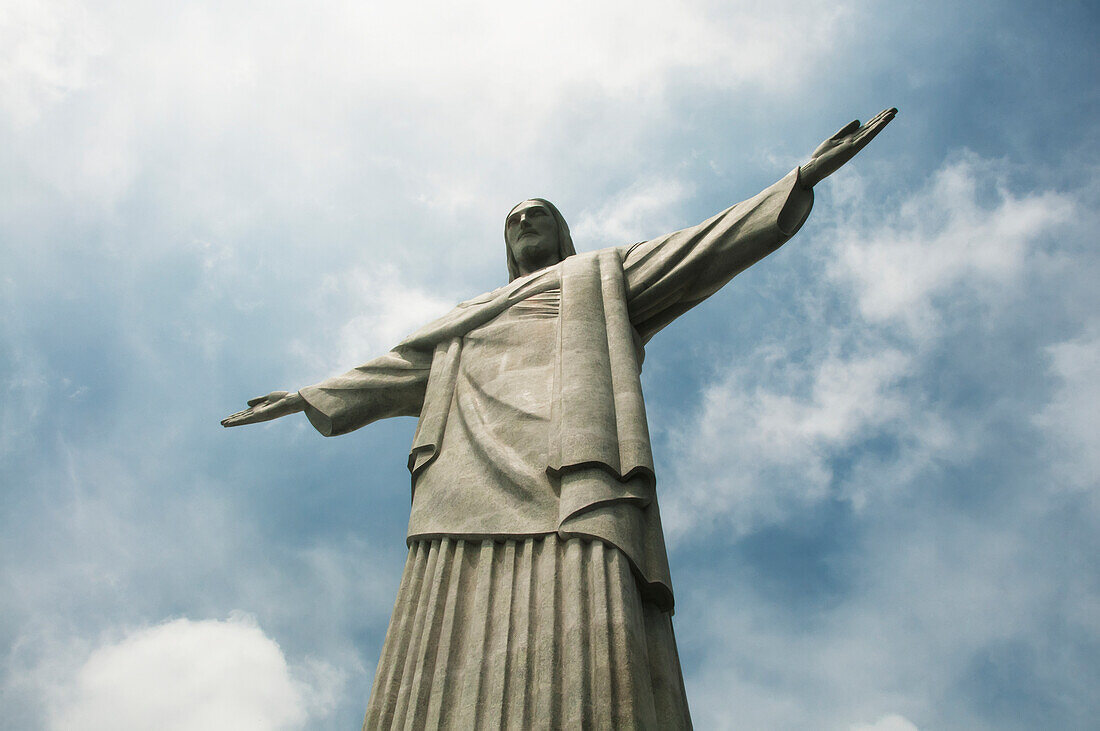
(668,275)
(390,385)
(265,408)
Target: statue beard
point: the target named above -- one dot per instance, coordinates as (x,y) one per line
(535,255)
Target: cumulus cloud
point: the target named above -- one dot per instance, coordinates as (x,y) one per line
(934,412)
(186,675)
(964,233)
(787,424)
(779,424)
(298,94)
(121,538)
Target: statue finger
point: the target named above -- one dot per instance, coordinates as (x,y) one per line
(846,130)
(256,401)
(876,125)
(868,134)
(828,144)
(883,118)
(243,414)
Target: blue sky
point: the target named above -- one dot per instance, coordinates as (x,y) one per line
(878,449)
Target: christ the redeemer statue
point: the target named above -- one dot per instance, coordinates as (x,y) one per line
(536,592)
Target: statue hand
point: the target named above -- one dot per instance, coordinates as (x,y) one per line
(266,408)
(842,147)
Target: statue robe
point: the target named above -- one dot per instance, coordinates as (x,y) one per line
(531,418)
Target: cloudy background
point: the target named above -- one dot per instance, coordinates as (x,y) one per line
(878,450)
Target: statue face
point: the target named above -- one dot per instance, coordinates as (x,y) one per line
(532,234)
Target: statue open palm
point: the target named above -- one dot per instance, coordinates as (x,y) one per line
(831,154)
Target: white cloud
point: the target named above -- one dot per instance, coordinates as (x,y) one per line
(1072,417)
(769,429)
(893,722)
(944,238)
(755,451)
(47,48)
(186,676)
(506,51)
(312,95)
(955,561)
(390,311)
(122,538)
(646,209)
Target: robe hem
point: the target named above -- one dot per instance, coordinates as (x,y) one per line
(655,592)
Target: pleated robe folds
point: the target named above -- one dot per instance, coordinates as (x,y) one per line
(597,461)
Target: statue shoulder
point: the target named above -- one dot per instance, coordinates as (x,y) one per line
(482,298)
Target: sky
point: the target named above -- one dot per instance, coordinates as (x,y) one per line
(878,449)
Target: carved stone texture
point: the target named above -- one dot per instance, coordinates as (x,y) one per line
(537,591)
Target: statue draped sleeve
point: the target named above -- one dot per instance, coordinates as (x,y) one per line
(668,275)
(391,385)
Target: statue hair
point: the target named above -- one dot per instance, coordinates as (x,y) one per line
(565,241)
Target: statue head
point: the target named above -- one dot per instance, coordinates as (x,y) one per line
(536,236)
